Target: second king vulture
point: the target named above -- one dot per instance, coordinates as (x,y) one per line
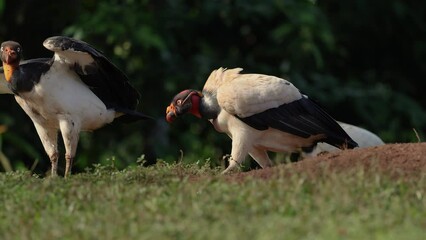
(78,89)
(260,113)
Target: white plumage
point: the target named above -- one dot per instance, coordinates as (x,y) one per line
(362,136)
(59,90)
(250,94)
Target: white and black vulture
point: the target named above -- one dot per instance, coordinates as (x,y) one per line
(78,89)
(362,136)
(260,113)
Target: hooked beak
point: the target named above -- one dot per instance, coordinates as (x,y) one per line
(10,56)
(171,113)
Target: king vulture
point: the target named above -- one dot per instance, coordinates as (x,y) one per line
(260,113)
(78,89)
(362,136)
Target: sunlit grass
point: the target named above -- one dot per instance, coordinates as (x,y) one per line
(177,201)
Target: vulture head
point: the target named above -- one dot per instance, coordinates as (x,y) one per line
(187,101)
(10,56)
(10,52)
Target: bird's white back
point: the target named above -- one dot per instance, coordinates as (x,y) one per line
(363,137)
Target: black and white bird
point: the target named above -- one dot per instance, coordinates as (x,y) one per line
(260,113)
(78,89)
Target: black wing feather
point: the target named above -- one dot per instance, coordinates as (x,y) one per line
(28,75)
(303,118)
(106,80)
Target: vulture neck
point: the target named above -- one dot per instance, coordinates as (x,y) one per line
(209,108)
(195,109)
(9,69)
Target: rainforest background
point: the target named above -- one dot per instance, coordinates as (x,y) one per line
(363,61)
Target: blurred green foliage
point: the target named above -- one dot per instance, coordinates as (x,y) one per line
(363,61)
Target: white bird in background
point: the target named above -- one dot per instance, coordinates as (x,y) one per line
(259,113)
(78,89)
(363,137)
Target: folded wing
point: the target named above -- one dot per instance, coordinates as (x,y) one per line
(263,102)
(249,94)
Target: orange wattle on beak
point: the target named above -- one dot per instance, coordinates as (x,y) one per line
(171,113)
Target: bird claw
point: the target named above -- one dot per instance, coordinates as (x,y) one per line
(232,165)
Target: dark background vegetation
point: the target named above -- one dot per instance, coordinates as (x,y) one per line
(363,60)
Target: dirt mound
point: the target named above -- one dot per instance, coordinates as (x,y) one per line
(397,160)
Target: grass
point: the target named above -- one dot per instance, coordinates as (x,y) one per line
(189,202)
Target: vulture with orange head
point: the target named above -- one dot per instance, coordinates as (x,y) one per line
(260,113)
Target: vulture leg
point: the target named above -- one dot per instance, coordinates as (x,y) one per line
(238,153)
(49,139)
(261,157)
(70,133)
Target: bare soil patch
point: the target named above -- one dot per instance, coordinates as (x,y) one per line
(396,160)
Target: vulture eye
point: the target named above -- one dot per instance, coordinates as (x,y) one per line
(18,49)
(1,49)
(179,102)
